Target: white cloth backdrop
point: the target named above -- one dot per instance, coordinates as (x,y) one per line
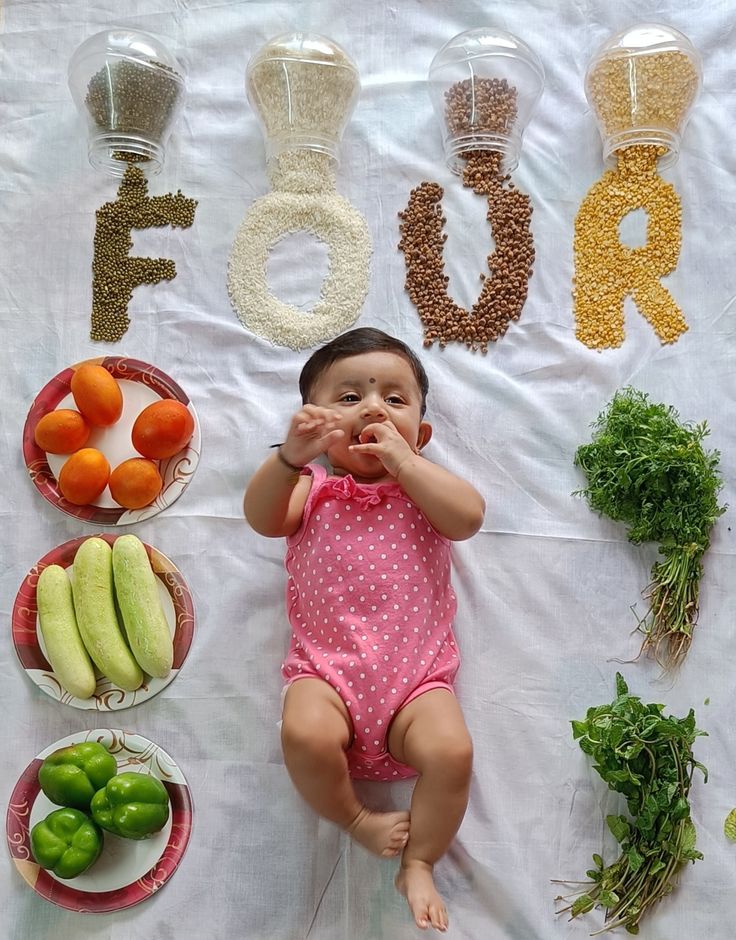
(544,589)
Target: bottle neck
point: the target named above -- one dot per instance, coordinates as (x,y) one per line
(508,145)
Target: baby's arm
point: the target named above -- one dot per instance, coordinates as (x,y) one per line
(275,498)
(451,505)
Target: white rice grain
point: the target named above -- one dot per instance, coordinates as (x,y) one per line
(303,199)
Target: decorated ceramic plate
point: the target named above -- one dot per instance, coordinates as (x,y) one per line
(141,384)
(128,871)
(177,604)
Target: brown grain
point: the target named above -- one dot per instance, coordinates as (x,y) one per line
(505,286)
(484,106)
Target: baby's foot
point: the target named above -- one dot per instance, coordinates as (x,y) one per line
(415,882)
(384,834)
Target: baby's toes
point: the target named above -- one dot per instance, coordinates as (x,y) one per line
(421,921)
(399,836)
(392,847)
(438,916)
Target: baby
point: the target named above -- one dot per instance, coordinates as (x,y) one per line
(372,657)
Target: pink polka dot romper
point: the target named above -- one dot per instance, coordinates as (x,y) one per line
(370,605)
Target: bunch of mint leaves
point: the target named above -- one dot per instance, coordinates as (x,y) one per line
(649,470)
(648,758)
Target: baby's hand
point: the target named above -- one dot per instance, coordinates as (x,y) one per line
(383,441)
(311,432)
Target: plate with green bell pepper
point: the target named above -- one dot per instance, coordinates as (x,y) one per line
(67,842)
(106,825)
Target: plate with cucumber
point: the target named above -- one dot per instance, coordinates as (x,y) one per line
(103,622)
(111,441)
(99,820)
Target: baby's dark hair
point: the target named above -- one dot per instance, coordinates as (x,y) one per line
(353,343)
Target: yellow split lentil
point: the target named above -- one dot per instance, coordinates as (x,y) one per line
(631,92)
(606,271)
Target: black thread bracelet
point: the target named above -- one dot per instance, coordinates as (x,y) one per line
(283,459)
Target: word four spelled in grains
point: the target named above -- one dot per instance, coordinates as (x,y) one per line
(607,271)
(115,273)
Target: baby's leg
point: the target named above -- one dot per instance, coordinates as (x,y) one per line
(430,735)
(315,732)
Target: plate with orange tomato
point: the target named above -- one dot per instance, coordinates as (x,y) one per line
(111,441)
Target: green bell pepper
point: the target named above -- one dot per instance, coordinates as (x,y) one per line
(72,775)
(133,806)
(67,842)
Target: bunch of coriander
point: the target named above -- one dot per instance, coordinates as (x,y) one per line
(647,469)
(649,759)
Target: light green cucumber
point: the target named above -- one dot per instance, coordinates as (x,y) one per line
(136,588)
(58,623)
(92,587)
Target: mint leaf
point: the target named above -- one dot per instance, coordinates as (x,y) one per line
(729,826)
(579,728)
(646,756)
(635,858)
(619,827)
(582,905)
(688,836)
(608,899)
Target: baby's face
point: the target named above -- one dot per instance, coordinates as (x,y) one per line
(365,389)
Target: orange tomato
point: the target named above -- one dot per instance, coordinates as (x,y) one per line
(84,476)
(61,432)
(162,429)
(97,395)
(135,483)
